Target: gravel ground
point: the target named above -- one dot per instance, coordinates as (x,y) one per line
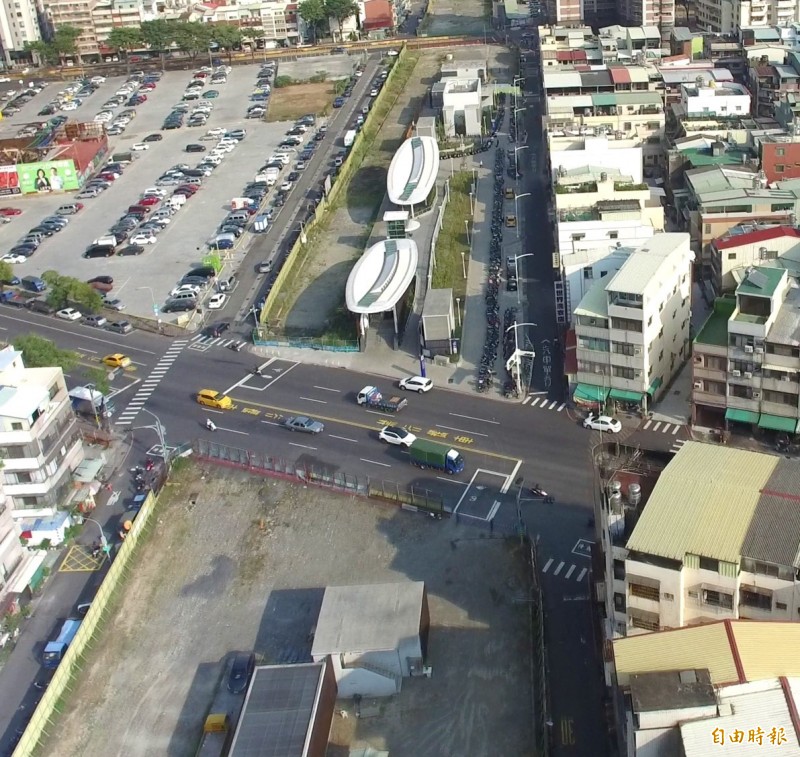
(236,562)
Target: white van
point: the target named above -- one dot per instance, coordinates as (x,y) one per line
(154,191)
(109,240)
(176,201)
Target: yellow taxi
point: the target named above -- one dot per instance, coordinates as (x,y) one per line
(210,398)
(117,361)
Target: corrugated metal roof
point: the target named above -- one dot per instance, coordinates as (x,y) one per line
(619,74)
(755,708)
(774,533)
(705,646)
(651,261)
(754,237)
(639,75)
(635,32)
(689,512)
(595,302)
(639,98)
(763,648)
(562,79)
(595,79)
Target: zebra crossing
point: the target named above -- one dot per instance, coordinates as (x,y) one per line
(543,403)
(204,342)
(662,427)
(128,415)
(570,572)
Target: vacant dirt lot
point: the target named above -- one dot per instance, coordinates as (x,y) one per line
(237,563)
(290,103)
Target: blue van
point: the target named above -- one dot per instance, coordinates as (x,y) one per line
(56,649)
(33,284)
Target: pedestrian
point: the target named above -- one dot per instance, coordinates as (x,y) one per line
(109,488)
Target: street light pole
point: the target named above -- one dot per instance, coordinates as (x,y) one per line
(516,208)
(156,311)
(162,437)
(516,159)
(516,268)
(518,354)
(466,225)
(458,310)
(103,539)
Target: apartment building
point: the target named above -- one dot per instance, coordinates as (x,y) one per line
(40,444)
(19,23)
(603,208)
(77,13)
(717,198)
(18,565)
(676,689)
(110,14)
(632,328)
(658,13)
(746,358)
(729,100)
(275,20)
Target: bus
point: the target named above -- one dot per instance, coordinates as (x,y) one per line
(55,650)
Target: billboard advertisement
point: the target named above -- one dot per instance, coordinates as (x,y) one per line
(50,176)
(9,181)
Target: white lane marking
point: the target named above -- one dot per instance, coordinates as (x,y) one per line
(311,399)
(526,400)
(233,431)
(648,424)
(507,485)
(582,574)
(326,389)
(558,569)
(83,349)
(675,430)
(547,565)
(452,481)
(304,446)
(374,462)
(272,423)
(553,404)
(210,410)
(655,428)
(570,571)
(463,431)
(666,428)
(343,438)
(42,325)
(561,407)
(473,418)
(536,401)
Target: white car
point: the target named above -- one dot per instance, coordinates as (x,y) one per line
(72,105)
(11,258)
(142,238)
(183,288)
(416,384)
(397,435)
(140,146)
(216,301)
(98,80)
(69,314)
(603,423)
(218,132)
(286,186)
(155,191)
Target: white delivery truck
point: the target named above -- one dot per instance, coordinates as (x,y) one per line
(349,138)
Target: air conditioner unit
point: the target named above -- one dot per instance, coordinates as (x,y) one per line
(756,395)
(736,374)
(748,374)
(786,377)
(698,359)
(637,350)
(759,350)
(748,348)
(698,384)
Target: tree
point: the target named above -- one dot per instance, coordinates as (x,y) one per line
(99,377)
(228,37)
(193,37)
(6,272)
(38,352)
(65,290)
(44,52)
(158,35)
(65,42)
(124,39)
(341,10)
(313,12)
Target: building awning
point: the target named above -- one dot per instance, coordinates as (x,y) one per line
(589,393)
(777,423)
(654,386)
(26,573)
(604,99)
(741,416)
(625,395)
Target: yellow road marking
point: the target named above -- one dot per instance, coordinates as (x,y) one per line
(365,426)
(567,731)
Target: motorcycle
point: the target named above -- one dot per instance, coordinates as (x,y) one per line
(150,464)
(210,425)
(540,493)
(236,346)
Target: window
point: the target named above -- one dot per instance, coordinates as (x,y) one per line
(780,605)
(619,570)
(717,598)
(588,272)
(707,228)
(625,373)
(759,600)
(613,234)
(707,563)
(622,348)
(779,152)
(731,256)
(619,602)
(667,597)
(779,168)
(578,237)
(16,426)
(645,592)
(768,254)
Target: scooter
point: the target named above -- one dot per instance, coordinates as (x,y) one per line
(210,425)
(235,346)
(540,493)
(150,464)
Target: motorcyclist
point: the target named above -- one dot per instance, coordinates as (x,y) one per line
(210,425)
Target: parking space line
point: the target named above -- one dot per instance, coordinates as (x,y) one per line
(452,481)
(311,399)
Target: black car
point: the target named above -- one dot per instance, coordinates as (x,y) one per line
(203,272)
(25,249)
(101,280)
(242,668)
(99,251)
(194,148)
(179,306)
(218,329)
(46,231)
(229,228)
(293,176)
(131,249)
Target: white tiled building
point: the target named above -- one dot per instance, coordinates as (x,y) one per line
(19,23)
(726,100)
(40,444)
(632,328)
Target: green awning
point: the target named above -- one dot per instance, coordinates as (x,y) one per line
(777,423)
(741,416)
(589,393)
(604,99)
(37,578)
(654,386)
(625,395)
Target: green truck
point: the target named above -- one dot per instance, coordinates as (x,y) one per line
(425,454)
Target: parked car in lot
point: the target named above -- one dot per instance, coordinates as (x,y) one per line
(338,102)
(217,301)
(95,320)
(69,314)
(120,327)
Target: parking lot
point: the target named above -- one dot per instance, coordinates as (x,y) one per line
(183,243)
(238,563)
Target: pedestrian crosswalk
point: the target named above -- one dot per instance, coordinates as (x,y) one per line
(203,342)
(677,444)
(661,427)
(544,403)
(133,408)
(569,572)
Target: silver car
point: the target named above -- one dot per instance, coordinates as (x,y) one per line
(304,424)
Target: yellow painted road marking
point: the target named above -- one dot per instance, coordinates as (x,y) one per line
(79,560)
(567,731)
(365,426)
